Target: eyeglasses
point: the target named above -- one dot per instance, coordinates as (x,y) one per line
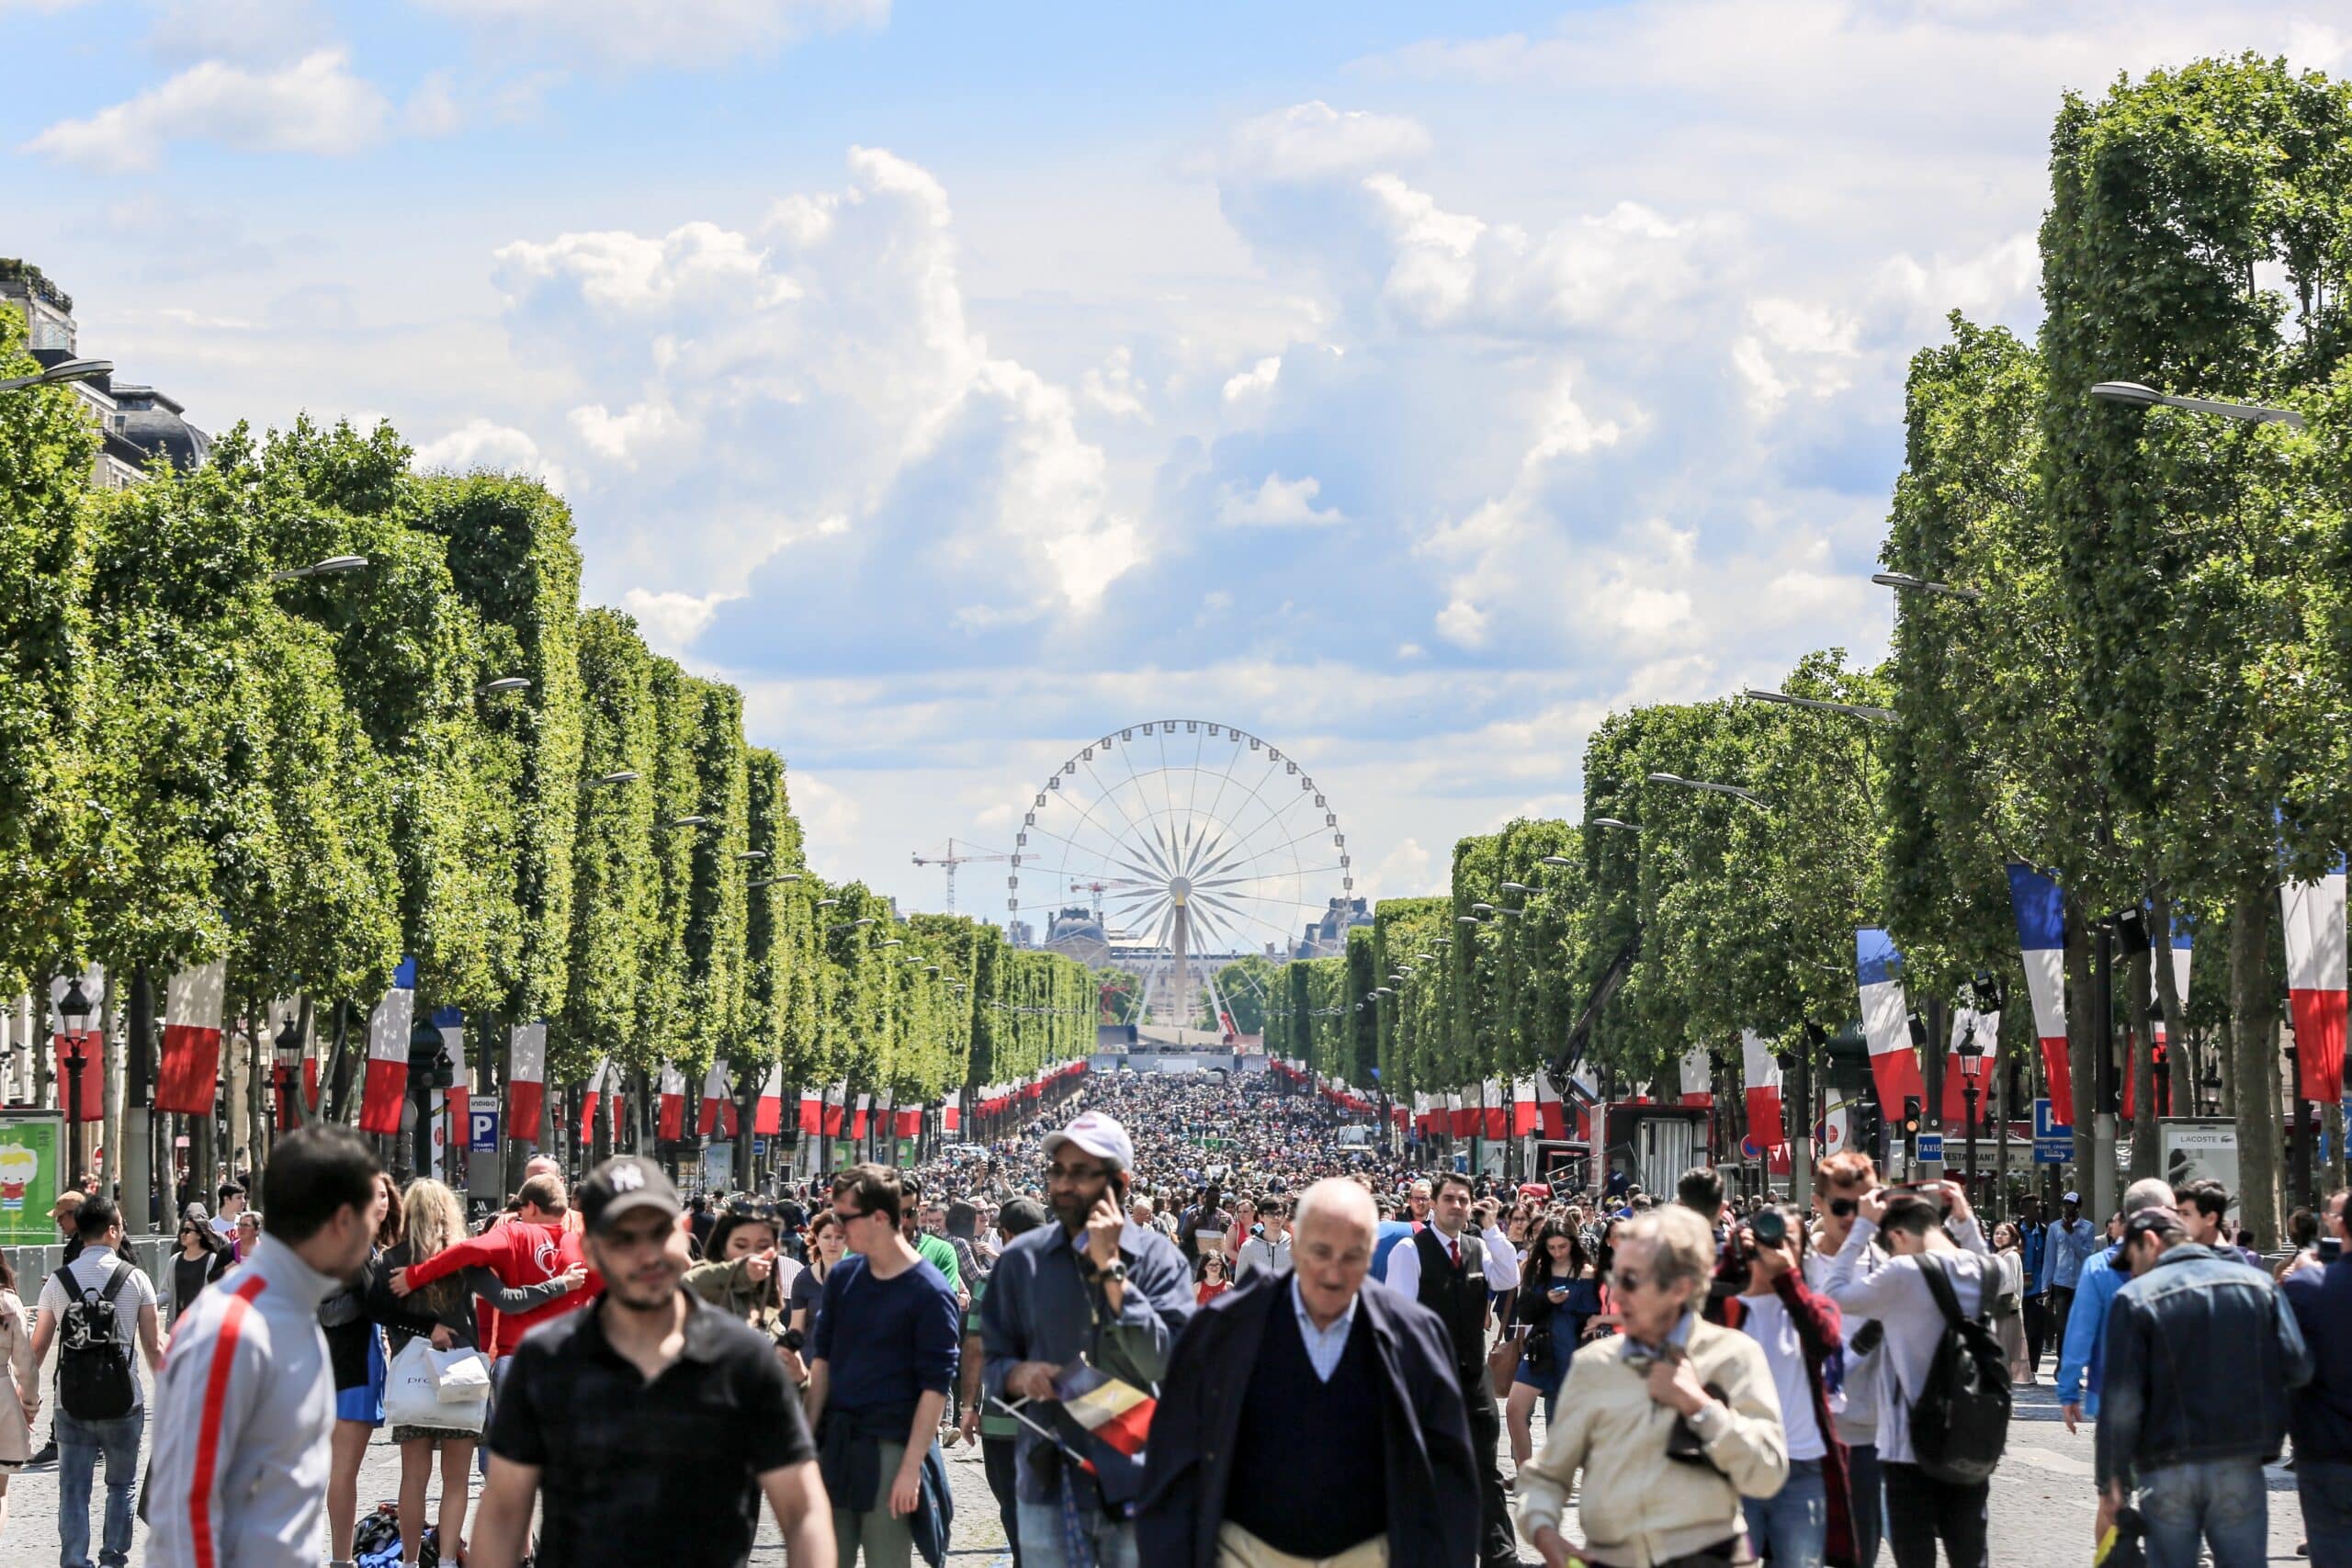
(1626,1278)
(845,1216)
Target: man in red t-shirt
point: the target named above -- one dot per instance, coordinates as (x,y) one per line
(531,1248)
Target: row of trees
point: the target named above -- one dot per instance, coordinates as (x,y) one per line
(203,756)
(2143,690)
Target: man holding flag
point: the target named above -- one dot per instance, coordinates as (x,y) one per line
(1077,1326)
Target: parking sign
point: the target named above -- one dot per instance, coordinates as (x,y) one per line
(481,1123)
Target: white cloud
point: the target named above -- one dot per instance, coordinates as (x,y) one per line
(1313,140)
(314,105)
(1277,503)
(672,622)
(1258,378)
(709,34)
(482,443)
(1111,386)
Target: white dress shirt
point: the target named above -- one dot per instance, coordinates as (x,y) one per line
(1501,1261)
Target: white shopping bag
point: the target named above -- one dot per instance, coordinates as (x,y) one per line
(463,1376)
(411,1394)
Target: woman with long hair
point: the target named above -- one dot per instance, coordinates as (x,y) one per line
(21,1390)
(355,1353)
(805,1302)
(1559,1295)
(202,1258)
(2008,1251)
(745,1275)
(1211,1277)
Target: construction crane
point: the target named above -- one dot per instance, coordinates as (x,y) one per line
(951,858)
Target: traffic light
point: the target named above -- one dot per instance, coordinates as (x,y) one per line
(1910,1116)
(1867,1127)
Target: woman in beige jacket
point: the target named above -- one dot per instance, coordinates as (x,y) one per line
(1624,1397)
(19,1388)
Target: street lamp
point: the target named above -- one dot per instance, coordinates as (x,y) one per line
(827,903)
(752,854)
(2136,395)
(1748,795)
(1520,887)
(774,881)
(1620,826)
(617,776)
(1852,710)
(1972,1078)
(73,1010)
(59,374)
(1557,859)
(334,566)
(895,942)
(1906,581)
(1482,908)
(682,822)
(1465,920)
(502,685)
(287,1048)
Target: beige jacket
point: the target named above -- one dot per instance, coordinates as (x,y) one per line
(1638,1506)
(19,1380)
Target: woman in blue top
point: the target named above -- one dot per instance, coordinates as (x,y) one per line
(1559,1294)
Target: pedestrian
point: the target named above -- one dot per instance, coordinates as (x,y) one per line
(2008,1251)
(356,1352)
(933,1249)
(1840,1183)
(233,1204)
(744,1271)
(2320,1415)
(1212,1281)
(1450,1269)
(249,1230)
(997,1431)
(444,1314)
(1268,1250)
(2205,1207)
(879,1370)
(1920,1509)
(1637,1504)
(100,1310)
(2082,1348)
(2201,1355)
(1558,1295)
(1090,1286)
(21,1390)
(537,1244)
(647,1425)
(2033,1237)
(1306,1384)
(1809,1520)
(805,1304)
(2073,1241)
(201,1257)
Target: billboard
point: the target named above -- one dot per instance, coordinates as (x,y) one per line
(32,1161)
(2197,1147)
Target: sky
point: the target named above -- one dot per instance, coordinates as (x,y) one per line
(1409,386)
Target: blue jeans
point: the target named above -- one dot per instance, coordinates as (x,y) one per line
(1792,1527)
(2326,1488)
(2224,1501)
(1042,1543)
(79,1444)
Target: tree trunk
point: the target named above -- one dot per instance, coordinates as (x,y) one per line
(2225,1052)
(2254,1073)
(2144,1157)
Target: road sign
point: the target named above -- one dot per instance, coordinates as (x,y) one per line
(2054,1143)
(1931,1147)
(481,1123)
(1893,1154)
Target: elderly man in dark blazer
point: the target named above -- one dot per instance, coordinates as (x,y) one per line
(1338,1385)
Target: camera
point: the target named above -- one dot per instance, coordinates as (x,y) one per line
(791,1340)
(1770,1224)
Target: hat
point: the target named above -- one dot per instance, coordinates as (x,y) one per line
(623,1185)
(67,1201)
(2073,1197)
(1099,1136)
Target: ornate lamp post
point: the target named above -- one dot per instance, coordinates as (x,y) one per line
(287,1051)
(1972,1074)
(74,1011)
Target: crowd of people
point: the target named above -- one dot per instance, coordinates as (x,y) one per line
(1188,1323)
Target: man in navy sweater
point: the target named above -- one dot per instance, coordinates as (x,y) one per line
(1346,1392)
(2320,1415)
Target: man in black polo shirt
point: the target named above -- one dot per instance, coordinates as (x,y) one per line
(649,1423)
(1452,1268)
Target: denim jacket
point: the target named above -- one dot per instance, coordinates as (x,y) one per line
(2202,1352)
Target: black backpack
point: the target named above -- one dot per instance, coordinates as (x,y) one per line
(1960,1423)
(93,1376)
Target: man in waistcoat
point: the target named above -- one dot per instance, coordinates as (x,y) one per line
(1344,1393)
(1450,1268)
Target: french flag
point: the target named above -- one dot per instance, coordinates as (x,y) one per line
(865,1106)
(527,1080)
(1551,1109)
(767,1112)
(187,1074)
(388,1032)
(1523,1117)
(2180,957)
(909,1121)
(951,1115)
(1886,1019)
(2041,936)
(670,1109)
(836,1103)
(1462,1119)
(715,1100)
(93,1039)
(2315,982)
(812,1112)
(458,1096)
(1494,1103)
(1697,1077)
(590,1098)
(1760,1071)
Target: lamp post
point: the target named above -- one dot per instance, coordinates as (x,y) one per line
(287,1048)
(2137,395)
(1852,710)
(74,1011)
(59,374)
(334,566)
(1972,1077)
(1913,584)
(1678,782)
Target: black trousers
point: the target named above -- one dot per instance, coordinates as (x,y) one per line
(2061,1307)
(1498,1541)
(997,1459)
(2037,1330)
(1921,1510)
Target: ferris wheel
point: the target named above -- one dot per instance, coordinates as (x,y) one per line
(1185,841)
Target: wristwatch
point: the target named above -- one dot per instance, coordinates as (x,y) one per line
(1114,1271)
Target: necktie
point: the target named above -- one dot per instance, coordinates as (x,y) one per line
(1453,1250)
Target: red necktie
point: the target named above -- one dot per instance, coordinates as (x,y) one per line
(1453,1250)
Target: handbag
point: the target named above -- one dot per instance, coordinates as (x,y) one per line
(460,1376)
(412,1394)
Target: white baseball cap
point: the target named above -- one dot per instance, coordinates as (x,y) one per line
(2073,1197)
(1099,1136)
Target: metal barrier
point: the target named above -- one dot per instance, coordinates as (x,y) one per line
(35,1264)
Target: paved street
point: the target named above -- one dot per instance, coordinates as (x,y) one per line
(2041,1501)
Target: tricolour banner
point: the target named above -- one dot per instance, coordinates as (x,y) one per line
(671,1108)
(188,1074)
(2315,982)
(2041,936)
(767,1112)
(1698,1077)
(1886,1019)
(590,1098)
(389,1026)
(526,1074)
(717,1101)
(1760,1072)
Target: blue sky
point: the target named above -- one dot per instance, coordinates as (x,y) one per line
(1407,385)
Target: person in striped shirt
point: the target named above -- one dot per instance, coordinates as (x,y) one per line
(245,1400)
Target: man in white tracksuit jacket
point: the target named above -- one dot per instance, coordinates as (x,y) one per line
(245,1401)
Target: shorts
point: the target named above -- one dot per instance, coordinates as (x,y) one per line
(436,1436)
(365,1403)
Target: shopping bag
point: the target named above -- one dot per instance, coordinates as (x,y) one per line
(412,1397)
(461,1376)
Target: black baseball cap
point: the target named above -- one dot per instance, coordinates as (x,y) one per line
(623,1185)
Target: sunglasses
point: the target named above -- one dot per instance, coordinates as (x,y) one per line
(846,1215)
(1844,1208)
(1626,1278)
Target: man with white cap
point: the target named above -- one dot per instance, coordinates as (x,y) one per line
(1091,1287)
(2072,1241)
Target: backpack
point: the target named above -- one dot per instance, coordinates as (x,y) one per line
(1961,1420)
(93,1376)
